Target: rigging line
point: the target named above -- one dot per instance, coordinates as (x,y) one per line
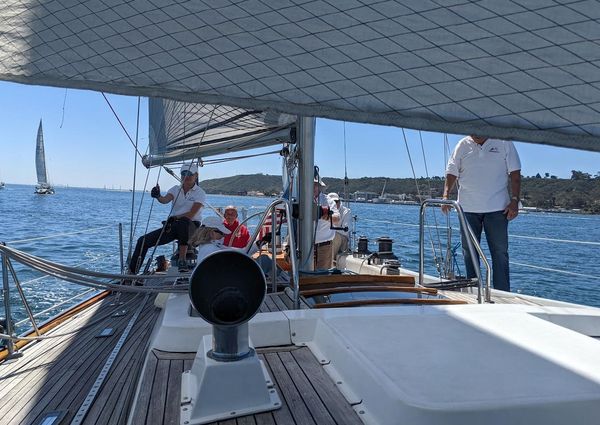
(437,229)
(346,182)
(555,270)
(137,129)
(121,124)
(27,282)
(58,235)
(139,211)
(220,160)
(149,261)
(62,119)
(435,256)
(55,306)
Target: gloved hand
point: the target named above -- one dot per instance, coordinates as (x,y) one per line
(155,192)
(171,219)
(267,238)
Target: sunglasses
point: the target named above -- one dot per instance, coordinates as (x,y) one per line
(186,173)
(219,232)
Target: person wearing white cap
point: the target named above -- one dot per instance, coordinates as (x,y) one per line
(324,234)
(186,214)
(209,238)
(340,241)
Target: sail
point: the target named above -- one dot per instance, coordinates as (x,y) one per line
(181,131)
(40,157)
(511,69)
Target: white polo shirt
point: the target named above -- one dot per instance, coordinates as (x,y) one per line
(482,172)
(183,202)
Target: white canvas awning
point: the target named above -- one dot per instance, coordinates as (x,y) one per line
(513,69)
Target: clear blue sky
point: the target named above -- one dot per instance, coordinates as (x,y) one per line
(85,146)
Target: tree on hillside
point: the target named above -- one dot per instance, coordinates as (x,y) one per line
(580,175)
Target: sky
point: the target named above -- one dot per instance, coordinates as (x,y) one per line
(86,146)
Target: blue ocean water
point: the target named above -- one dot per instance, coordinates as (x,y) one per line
(87,222)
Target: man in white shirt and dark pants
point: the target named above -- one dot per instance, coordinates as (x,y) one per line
(485,169)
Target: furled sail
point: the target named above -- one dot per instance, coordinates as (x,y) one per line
(180,130)
(40,157)
(520,70)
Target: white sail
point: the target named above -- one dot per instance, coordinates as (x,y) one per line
(524,72)
(40,157)
(181,131)
(43,187)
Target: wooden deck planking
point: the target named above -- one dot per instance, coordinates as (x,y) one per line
(113,401)
(56,374)
(72,397)
(307,393)
(40,381)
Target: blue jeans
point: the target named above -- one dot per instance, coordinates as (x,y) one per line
(495,226)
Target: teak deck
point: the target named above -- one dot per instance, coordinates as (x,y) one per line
(308,394)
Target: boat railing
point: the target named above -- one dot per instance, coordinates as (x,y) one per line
(9,270)
(270,211)
(472,245)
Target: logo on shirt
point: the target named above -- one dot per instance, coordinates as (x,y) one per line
(494,149)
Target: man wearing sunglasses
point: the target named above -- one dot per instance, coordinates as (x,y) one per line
(185,217)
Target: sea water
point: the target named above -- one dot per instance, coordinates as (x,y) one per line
(552,255)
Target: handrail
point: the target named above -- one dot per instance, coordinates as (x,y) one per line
(292,244)
(472,246)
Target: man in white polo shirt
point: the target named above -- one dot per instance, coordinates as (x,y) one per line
(485,170)
(186,214)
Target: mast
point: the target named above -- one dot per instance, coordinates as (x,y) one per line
(40,157)
(306,140)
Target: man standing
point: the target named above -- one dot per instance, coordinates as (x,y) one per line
(340,241)
(324,234)
(185,216)
(485,169)
(242,236)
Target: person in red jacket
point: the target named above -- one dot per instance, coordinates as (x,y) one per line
(242,236)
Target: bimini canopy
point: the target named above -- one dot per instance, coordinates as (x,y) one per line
(180,131)
(524,70)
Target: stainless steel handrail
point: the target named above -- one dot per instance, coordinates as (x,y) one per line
(292,245)
(472,245)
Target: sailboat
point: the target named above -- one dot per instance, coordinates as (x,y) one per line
(503,69)
(43,187)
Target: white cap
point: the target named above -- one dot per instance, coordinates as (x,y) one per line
(215,223)
(187,166)
(333,196)
(318,180)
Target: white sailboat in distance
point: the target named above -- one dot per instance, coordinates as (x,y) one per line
(43,187)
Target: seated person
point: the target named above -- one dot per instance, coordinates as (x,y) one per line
(186,213)
(239,238)
(208,239)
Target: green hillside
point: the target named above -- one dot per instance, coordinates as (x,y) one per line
(581,191)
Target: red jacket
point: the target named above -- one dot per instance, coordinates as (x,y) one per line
(242,237)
